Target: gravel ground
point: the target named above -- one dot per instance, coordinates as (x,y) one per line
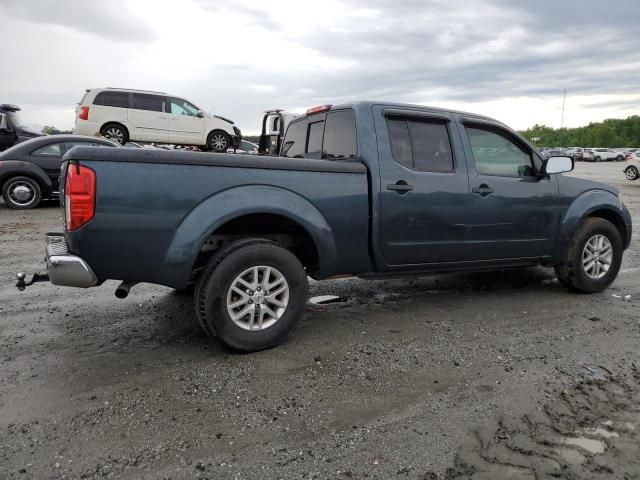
(494,375)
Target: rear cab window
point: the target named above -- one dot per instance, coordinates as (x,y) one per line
(330,136)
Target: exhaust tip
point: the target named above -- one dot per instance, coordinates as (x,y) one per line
(122,292)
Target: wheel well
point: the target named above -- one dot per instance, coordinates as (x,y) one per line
(115,123)
(614,218)
(281,230)
(43,187)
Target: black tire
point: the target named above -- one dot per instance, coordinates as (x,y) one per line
(218,141)
(631,173)
(619,158)
(215,283)
(596,159)
(572,272)
(115,132)
(21,193)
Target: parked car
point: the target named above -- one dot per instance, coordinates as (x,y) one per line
(124,115)
(587,155)
(554,153)
(12,128)
(245,147)
(632,167)
(575,153)
(29,171)
(368,189)
(606,154)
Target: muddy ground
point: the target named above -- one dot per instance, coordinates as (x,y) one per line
(494,375)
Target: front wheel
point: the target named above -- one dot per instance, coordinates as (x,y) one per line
(619,158)
(21,193)
(596,159)
(254,297)
(593,258)
(115,133)
(219,142)
(631,173)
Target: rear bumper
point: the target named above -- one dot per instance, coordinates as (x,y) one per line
(65,269)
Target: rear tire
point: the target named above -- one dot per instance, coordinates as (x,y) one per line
(594,257)
(21,193)
(252,295)
(115,132)
(596,159)
(619,158)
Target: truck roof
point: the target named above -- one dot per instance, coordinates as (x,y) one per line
(9,107)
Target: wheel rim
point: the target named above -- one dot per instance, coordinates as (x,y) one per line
(22,193)
(632,173)
(114,133)
(257,298)
(219,142)
(597,256)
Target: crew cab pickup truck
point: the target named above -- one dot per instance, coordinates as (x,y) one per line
(364,189)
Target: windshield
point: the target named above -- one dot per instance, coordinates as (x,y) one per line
(14,119)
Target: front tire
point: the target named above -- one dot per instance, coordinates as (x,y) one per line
(619,158)
(115,132)
(218,141)
(594,257)
(252,297)
(631,173)
(21,193)
(596,159)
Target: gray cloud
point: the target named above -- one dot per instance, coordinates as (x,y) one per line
(110,19)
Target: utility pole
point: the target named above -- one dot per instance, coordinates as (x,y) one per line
(564,99)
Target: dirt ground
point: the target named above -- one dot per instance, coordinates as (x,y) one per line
(500,375)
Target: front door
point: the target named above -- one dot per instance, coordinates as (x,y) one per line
(185,127)
(514,212)
(424,190)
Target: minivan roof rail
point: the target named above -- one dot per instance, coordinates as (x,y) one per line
(135,90)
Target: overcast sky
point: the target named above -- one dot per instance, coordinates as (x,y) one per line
(510,59)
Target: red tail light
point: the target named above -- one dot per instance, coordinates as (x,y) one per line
(84,113)
(79,196)
(318,109)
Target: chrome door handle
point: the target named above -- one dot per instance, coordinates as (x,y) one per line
(483,190)
(400,186)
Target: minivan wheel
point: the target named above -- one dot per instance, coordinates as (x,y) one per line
(631,173)
(218,142)
(593,258)
(115,133)
(253,297)
(21,193)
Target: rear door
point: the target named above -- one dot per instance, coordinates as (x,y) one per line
(185,127)
(148,118)
(514,211)
(424,188)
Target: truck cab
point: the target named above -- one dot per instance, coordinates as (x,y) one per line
(12,128)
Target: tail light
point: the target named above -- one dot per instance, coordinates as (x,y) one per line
(318,109)
(84,113)
(79,196)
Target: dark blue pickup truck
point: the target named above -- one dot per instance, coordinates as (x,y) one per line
(366,189)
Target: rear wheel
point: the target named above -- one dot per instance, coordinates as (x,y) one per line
(594,257)
(218,141)
(596,159)
(21,193)
(252,296)
(619,158)
(631,173)
(115,132)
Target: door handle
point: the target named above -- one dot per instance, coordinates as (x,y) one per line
(400,186)
(483,190)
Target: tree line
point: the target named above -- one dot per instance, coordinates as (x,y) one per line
(609,133)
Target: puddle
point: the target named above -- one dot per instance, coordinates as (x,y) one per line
(589,444)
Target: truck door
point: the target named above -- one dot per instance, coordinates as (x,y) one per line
(424,189)
(514,211)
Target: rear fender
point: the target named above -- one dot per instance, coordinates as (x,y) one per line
(215,211)
(13,168)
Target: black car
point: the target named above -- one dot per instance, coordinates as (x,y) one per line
(12,128)
(29,170)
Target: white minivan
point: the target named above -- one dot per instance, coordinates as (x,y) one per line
(124,115)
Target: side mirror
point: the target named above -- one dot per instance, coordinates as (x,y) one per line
(200,114)
(557,165)
(3,122)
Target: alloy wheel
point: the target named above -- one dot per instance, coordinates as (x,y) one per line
(597,256)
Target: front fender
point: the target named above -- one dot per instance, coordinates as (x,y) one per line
(215,211)
(12,168)
(584,206)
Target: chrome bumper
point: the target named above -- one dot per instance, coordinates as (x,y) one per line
(65,269)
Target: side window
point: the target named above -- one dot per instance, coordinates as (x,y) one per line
(314,138)
(295,140)
(51,150)
(421,145)
(182,107)
(340,135)
(143,101)
(496,154)
(112,99)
